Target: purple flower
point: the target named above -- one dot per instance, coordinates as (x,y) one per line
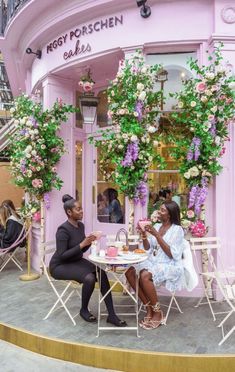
(131,154)
(141,193)
(139,109)
(190,155)
(46,199)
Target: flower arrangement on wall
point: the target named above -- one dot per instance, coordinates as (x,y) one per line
(206,106)
(86,82)
(126,150)
(36,147)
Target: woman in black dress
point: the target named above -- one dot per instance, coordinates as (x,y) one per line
(68,262)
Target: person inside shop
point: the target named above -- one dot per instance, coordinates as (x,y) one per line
(68,262)
(114,205)
(164,264)
(12,225)
(102,208)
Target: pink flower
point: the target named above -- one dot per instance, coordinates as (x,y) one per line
(54,169)
(87,86)
(211,117)
(198,229)
(37,183)
(190,214)
(200,87)
(54,149)
(37,217)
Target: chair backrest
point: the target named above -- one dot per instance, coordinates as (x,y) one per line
(209,246)
(48,249)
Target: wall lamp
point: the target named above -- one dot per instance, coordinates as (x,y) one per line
(88,106)
(145,10)
(38,53)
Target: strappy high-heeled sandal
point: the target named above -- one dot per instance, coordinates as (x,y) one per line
(146,318)
(153,324)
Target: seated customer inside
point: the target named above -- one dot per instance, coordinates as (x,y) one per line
(164,265)
(68,262)
(12,225)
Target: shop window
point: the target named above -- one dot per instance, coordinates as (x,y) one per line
(79,119)
(78,151)
(110,202)
(167,179)
(102,109)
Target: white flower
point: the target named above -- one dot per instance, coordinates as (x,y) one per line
(12,110)
(36,131)
(232,85)
(204,99)
(187,175)
(214,109)
(194,172)
(16,122)
(142,96)
(120,147)
(210,75)
(28,148)
(134,138)
(140,86)
(185,223)
(193,104)
(208,92)
(150,158)
(38,168)
(125,135)
(180,104)
(22,121)
(151,129)
(28,155)
(136,114)
(144,70)
(34,153)
(140,156)
(43,147)
(155,143)
(217,140)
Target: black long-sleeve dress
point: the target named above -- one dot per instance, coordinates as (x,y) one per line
(68,262)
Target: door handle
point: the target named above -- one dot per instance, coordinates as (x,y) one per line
(93,194)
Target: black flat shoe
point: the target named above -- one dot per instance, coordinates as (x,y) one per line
(117,322)
(88,317)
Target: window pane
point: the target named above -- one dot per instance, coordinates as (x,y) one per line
(79,170)
(110,204)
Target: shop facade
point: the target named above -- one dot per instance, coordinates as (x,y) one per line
(77,36)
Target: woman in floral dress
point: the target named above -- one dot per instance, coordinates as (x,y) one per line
(164,264)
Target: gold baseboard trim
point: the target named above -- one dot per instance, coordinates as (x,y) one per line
(115,358)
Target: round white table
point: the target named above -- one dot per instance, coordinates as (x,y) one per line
(110,264)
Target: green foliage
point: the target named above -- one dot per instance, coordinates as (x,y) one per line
(35,147)
(133,108)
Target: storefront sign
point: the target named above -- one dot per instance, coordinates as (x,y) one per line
(85,30)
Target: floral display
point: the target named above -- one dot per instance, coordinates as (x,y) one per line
(198,229)
(126,150)
(86,83)
(35,147)
(207,106)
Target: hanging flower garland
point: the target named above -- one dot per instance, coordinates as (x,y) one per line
(36,148)
(206,106)
(126,150)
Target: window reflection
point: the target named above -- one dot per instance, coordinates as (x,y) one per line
(78,151)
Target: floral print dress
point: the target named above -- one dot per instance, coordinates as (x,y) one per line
(166,270)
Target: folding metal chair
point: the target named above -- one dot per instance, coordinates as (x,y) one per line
(71,287)
(228,291)
(210,248)
(9,254)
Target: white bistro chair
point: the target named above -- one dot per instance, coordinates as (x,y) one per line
(8,255)
(228,291)
(70,287)
(210,248)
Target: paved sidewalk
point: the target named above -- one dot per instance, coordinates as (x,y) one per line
(16,359)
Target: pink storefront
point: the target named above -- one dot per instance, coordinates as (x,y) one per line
(75,36)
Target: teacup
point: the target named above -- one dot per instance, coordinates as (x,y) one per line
(144,223)
(112,251)
(97,234)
